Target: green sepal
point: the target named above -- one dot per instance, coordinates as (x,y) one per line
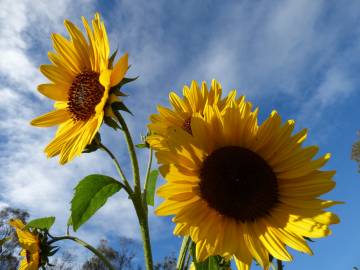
(53,251)
(150,187)
(120,106)
(308,239)
(41,223)
(111,59)
(94,145)
(91,194)
(111,123)
(116,90)
(125,81)
(142,145)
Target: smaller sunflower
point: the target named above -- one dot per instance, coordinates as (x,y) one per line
(183,109)
(30,244)
(81,76)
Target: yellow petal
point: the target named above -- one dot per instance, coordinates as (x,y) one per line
(105,78)
(119,70)
(66,49)
(271,242)
(79,43)
(292,240)
(177,102)
(172,207)
(56,92)
(241,265)
(52,118)
(254,245)
(201,251)
(65,132)
(56,74)
(17,223)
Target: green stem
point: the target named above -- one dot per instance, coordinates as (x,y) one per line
(137,199)
(279,265)
(118,168)
(187,264)
(86,245)
(182,254)
(132,152)
(144,228)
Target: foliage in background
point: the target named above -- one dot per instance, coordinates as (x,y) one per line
(121,259)
(355,155)
(169,263)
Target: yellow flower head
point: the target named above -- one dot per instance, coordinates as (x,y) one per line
(241,189)
(81,78)
(183,109)
(30,244)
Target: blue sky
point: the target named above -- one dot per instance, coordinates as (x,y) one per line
(299,57)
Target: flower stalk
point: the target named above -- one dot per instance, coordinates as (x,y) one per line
(138,200)
(86,245)
(181,262)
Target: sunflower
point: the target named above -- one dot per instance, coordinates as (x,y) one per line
(81,76)
(183,109)
(241,189)
(30,244)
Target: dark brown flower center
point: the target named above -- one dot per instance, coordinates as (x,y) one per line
(238,183)
(187,125)
(84,94)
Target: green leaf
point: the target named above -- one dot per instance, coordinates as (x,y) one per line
(120,106)
(91,194)
(111,59)
(150,187)
(117,92)
(111,123)
(41,223)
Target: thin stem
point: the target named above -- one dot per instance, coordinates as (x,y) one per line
(279,265)
(182,254)
(86,245)
(187,264)
(132,152)
(137,199)
(118,168)
(144,228)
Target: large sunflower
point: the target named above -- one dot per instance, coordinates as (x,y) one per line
(244,190)
(81,79)
(30,244)
(183,109)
